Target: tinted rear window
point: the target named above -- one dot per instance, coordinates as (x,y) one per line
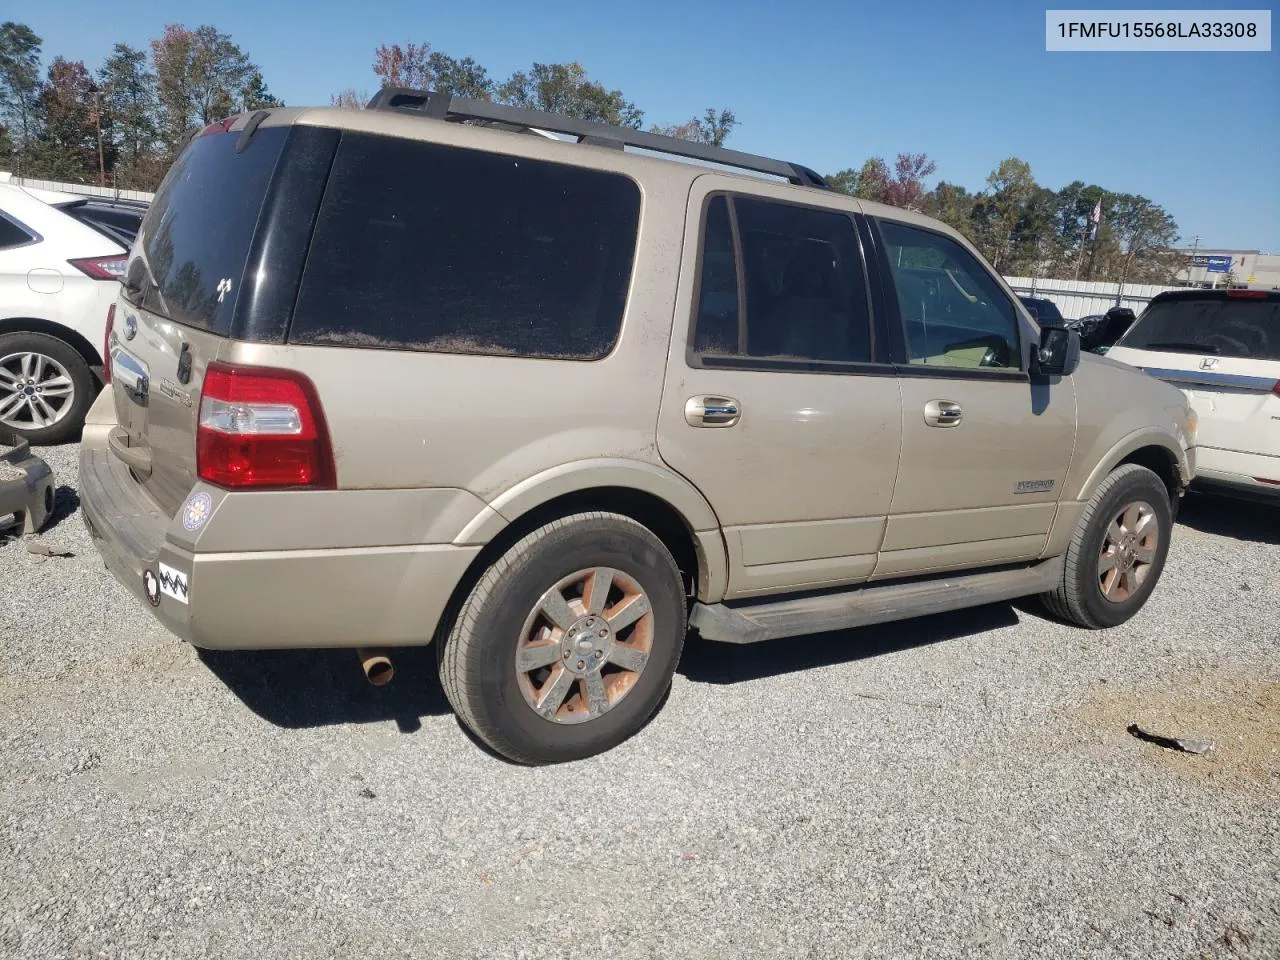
(12,235)
(118,225)
(420,246)
(1248,329)
(196,235)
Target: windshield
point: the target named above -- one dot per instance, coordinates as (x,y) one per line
(1247,329)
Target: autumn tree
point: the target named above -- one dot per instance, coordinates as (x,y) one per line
(349,99)
(20,89)
(902,187)
(202,76)
(398,66)
(68,145)
(712,128)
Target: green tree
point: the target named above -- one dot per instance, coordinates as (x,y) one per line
(130,111)
(952,204)
(255,95)
(564,89)
(1010,187)
(1144,235)
(20,89)
(459,78)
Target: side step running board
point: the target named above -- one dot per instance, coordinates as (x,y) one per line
(861,606)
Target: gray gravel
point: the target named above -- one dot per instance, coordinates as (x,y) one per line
(961,786)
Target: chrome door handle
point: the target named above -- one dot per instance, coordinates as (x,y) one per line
(942,413)
(711,412)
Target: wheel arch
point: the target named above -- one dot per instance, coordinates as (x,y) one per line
(1154,450)
(665,503)
(59,331)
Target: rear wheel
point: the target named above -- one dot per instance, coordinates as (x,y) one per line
(1118,551)
(567,644)
(45,387)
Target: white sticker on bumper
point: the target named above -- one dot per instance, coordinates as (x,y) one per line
(173,583)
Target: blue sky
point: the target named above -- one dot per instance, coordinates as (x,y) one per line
(823,83)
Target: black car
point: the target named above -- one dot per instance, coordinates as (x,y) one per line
(1100,331)
(1046,312)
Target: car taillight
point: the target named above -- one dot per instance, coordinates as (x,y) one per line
(1248,294)
(262,428)
(106,344)
(101,268)
(1276,389)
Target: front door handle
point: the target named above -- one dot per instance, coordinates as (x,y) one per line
(942,413)
(711,411)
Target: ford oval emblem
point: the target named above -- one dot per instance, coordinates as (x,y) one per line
(130,326)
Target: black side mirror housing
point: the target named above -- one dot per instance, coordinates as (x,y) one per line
(1058,353)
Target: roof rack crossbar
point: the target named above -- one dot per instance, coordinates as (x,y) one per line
(447,107)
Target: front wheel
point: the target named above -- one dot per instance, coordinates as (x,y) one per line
(568,642)
(1118,551)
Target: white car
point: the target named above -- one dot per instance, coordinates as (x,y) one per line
(1222,349)
(61,259)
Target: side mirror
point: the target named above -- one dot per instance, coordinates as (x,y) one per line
(1058,354)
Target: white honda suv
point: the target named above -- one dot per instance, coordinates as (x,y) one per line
(61,258)
(1222,349)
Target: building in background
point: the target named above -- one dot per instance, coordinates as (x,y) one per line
(1204,267)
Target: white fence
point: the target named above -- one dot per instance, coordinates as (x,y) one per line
(79,189)
(1080,298)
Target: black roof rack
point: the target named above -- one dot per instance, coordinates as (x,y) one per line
(444,106)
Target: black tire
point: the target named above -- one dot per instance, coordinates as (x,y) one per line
(1079,598)
(84,387)
(477,660)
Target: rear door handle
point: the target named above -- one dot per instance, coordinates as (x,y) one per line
(709,411)
(942,413)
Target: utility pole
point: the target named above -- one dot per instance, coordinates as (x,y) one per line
(1195,245)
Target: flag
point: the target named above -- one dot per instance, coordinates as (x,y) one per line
(1094,219)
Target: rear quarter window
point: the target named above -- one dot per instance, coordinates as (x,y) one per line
(195,238)
(419,246)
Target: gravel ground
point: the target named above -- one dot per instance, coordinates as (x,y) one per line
(961,786)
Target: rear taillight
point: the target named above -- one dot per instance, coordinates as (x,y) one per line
(262,428)
(101,268)
(1276,389)
(1248,294)
(106,344)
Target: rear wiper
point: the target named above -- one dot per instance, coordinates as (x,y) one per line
(1178,346)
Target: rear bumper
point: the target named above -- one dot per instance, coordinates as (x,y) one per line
(262,599)
(1231,471)
(26,484)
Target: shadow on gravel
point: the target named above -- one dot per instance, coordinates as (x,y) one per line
(707,662)
(1227,517)
(65,503)
(314,688)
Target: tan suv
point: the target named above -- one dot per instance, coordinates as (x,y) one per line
(402,375)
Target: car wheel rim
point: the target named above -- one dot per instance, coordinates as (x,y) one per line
(36,391)
(1128,551)
(584,645)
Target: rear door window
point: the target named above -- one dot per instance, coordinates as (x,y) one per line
(1228,327)
(196,235)
(420,246)
(780,282)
